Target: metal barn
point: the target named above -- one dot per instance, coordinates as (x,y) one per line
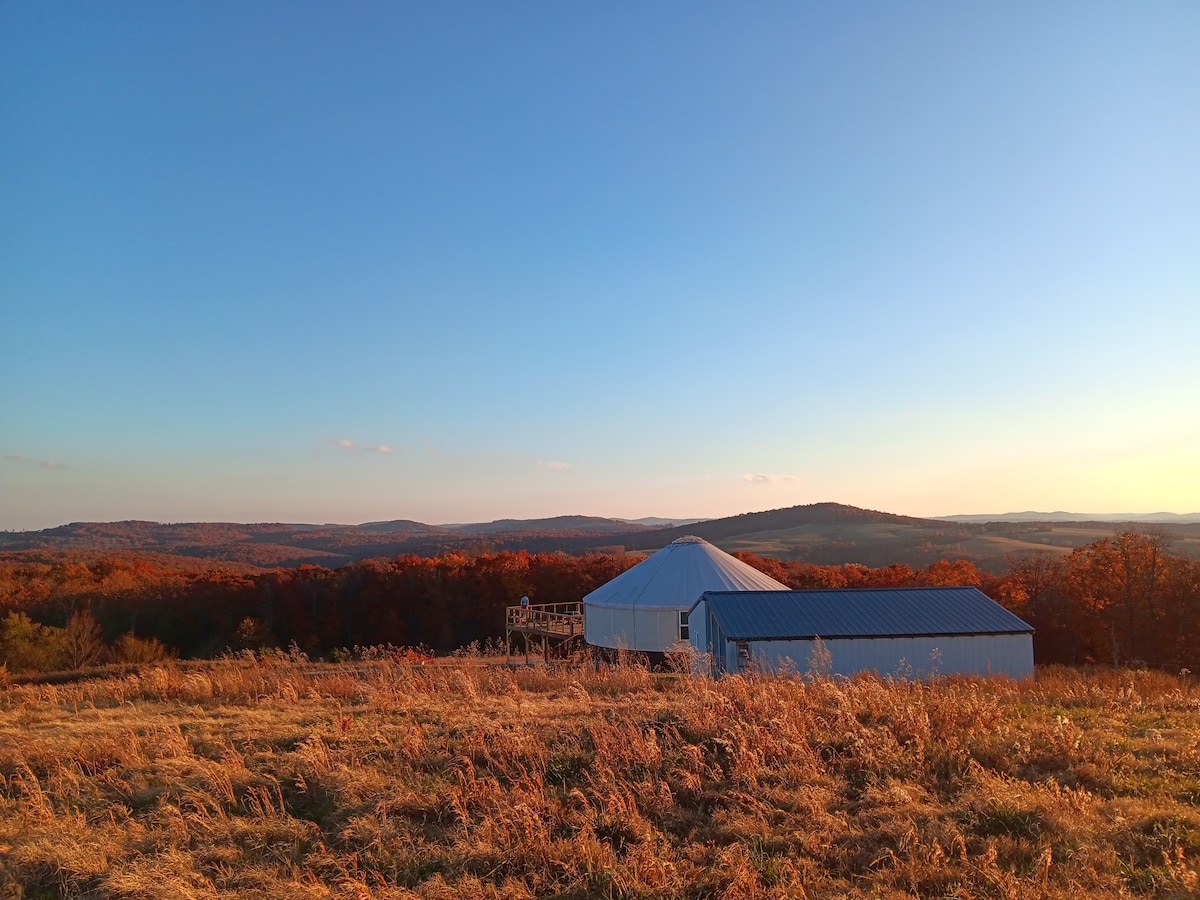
(645,608)
(916,632)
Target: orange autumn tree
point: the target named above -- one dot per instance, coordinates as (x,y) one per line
(1120,589)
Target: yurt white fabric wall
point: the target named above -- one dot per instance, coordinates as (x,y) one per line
(640,608)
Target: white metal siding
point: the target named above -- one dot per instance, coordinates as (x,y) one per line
(698,628)
(707,639)
(989,654)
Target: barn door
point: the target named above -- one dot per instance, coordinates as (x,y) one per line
(743,655)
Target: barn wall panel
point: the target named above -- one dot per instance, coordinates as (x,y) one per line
(918,657)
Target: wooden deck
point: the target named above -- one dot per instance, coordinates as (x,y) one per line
(549,625)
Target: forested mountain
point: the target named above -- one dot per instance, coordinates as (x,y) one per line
(571,525)
(273,545)
(820,533)
(816,518)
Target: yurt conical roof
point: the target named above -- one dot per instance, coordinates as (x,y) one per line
(675,576)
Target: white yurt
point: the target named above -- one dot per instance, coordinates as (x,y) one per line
(646,608)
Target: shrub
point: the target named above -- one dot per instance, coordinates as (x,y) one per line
(26,646)
(129,648)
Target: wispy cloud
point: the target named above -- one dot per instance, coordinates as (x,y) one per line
(764,478)
(554,465)
(51,465)
(347,444)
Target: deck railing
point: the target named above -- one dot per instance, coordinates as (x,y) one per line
(565,619)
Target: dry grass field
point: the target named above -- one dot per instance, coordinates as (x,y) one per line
(281,779)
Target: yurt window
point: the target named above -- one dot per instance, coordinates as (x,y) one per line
(683,625)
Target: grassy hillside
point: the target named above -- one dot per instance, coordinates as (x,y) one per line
(273,779)
(921,542)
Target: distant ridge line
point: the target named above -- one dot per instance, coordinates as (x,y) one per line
(1162,518)
(818,533)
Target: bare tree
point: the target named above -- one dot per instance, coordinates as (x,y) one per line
(84,640)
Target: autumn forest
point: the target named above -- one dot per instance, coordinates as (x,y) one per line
(1121,600)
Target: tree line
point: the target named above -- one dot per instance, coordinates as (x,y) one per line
(1124,600)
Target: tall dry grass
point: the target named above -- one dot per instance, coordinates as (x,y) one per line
(279,779)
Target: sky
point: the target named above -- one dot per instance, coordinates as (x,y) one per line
(454,262)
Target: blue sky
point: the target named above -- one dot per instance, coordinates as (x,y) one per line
(450,262)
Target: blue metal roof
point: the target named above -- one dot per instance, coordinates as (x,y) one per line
(859,612)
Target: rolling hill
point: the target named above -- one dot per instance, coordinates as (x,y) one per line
(822,533)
